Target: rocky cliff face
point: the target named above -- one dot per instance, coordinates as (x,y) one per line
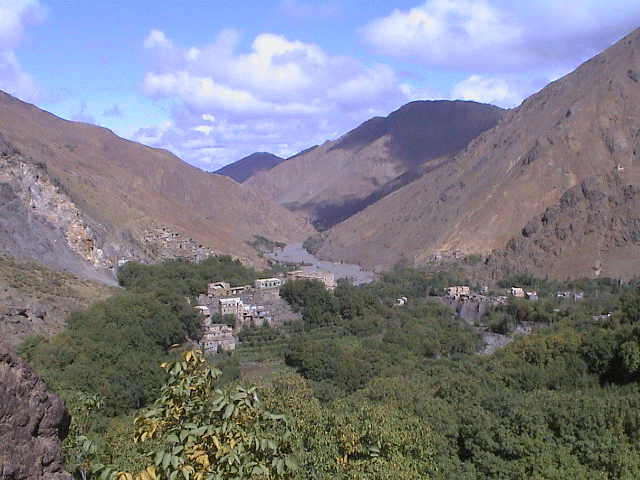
(32,424)
(593,230)
(38,220)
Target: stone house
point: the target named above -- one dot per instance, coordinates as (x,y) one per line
(517,292)
(218,336)
(223,289)
(255,316)
(231,306)
(458,291)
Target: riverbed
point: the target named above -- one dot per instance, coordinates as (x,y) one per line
(296,253)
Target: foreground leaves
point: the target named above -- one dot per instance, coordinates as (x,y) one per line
(211,433)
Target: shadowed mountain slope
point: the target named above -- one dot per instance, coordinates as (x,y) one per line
(586,124)
(100,199)
(250,166)
(333,181)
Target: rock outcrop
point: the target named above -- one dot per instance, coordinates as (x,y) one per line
(32,424)
(38,220)
(593,230)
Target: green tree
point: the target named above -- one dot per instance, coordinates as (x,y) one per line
(210,433)
(79,450)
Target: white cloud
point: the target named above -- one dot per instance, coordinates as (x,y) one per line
(157,39)
(501,35)
(280,96)
(451,33)
(494,90)
(15,16)
(14,80)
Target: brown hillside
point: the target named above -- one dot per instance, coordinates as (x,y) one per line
(335,180)
(132,201)
(594,229)
(584,125)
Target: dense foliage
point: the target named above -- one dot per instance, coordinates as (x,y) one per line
(212,433)
(374,389)
(180,277)
(112,348)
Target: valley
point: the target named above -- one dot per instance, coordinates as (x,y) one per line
(450,291)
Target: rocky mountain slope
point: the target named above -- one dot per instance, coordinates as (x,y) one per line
(584,125)
(594,229)
(249,166)
(335,180)
(77,197)
(33,423)
(35,300)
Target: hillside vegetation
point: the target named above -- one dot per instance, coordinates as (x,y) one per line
(369,389)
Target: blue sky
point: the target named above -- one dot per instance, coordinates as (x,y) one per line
(216,81)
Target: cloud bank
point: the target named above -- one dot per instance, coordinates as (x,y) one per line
(500,36)
(509,50)
(283,95)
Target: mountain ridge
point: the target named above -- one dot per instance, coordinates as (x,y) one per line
(138,203)
(333,180)
(250,165)
(584,124)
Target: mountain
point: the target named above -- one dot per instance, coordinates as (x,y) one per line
(76,197)
(333,181)
(582,127)
(250,166)
(594,229)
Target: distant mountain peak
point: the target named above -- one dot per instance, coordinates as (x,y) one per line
(249,166)
(339,178)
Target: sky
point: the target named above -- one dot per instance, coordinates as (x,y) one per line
(213,82)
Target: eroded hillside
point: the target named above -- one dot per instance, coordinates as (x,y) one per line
(111,200)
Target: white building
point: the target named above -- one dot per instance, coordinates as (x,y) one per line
(268,283)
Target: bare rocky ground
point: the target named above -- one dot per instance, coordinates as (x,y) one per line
(33,423)
(35,300)
(494,341)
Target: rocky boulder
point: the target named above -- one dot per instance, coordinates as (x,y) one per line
(33,423)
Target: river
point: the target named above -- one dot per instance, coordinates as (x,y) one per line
(296,253)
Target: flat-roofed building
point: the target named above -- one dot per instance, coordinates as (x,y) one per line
(268,283)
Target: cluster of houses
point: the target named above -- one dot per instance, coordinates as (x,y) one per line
(172,245)
(223,299)
(463,292)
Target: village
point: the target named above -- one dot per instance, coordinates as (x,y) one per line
(248,306)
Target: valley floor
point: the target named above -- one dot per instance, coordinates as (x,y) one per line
(295,253)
